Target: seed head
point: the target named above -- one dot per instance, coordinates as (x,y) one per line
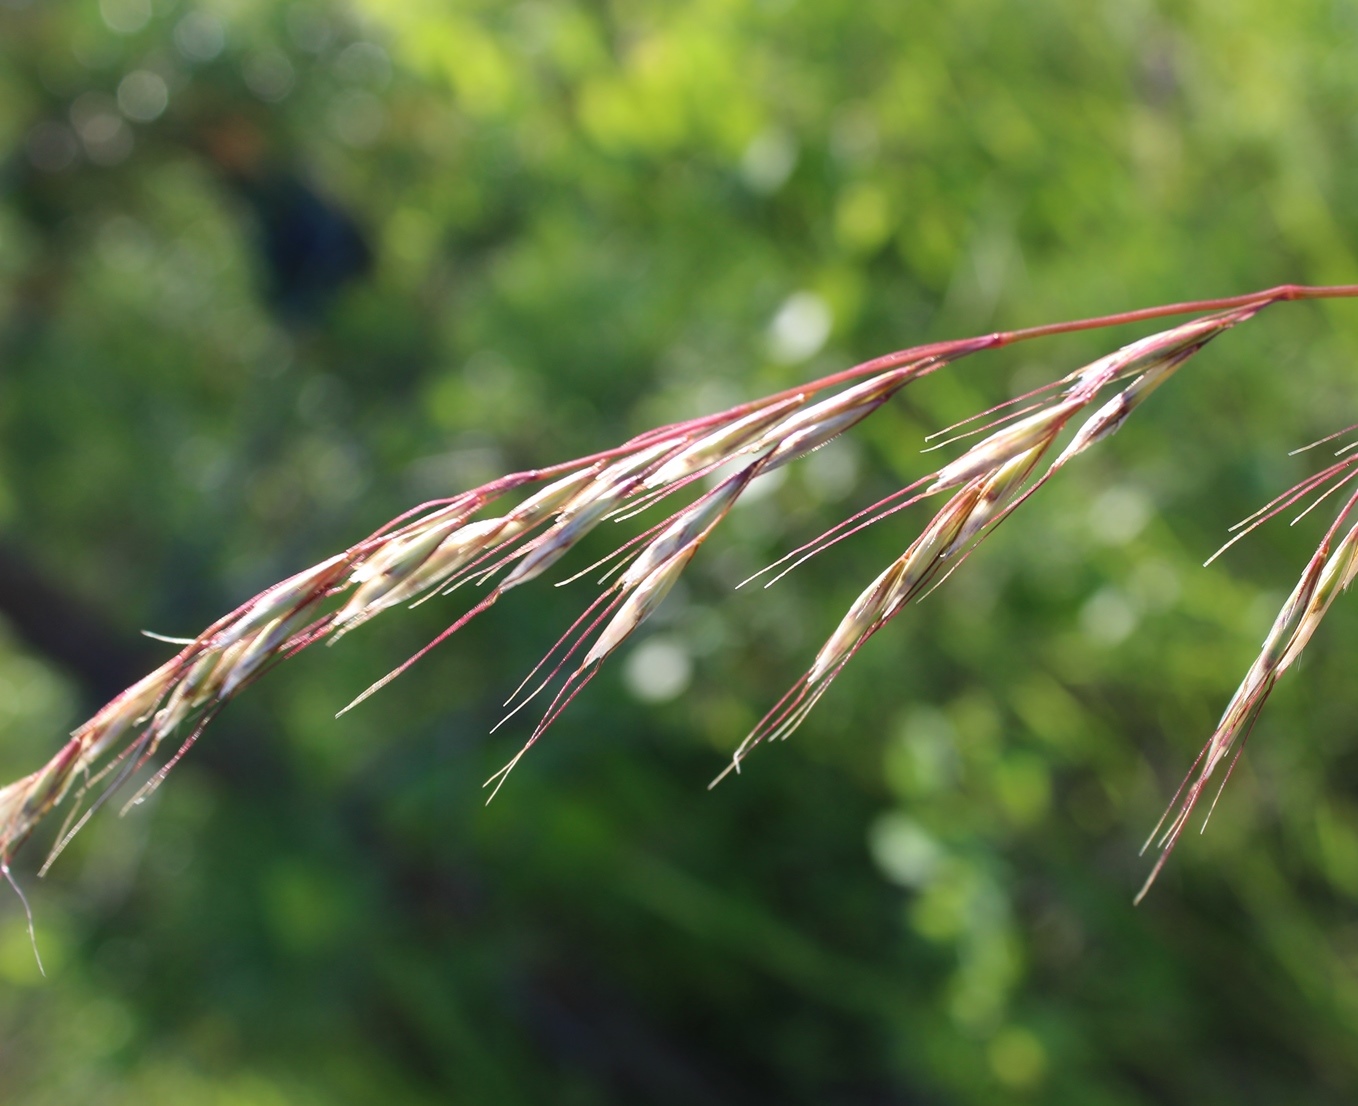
(645,597)
(721,445)
(1037,430)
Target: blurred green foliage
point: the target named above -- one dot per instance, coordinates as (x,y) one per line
(271,273)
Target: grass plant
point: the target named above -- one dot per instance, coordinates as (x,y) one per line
(508,532)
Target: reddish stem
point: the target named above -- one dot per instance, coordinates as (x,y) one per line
(942,351)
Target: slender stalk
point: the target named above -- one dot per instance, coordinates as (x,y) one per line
(948,349)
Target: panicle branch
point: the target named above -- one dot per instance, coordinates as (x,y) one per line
(989,478)
(1329,571)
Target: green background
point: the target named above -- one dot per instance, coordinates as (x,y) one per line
(532,230)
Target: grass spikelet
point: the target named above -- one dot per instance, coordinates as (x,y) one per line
(1326,574)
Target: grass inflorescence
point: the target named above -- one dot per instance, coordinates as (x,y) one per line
(509,532)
